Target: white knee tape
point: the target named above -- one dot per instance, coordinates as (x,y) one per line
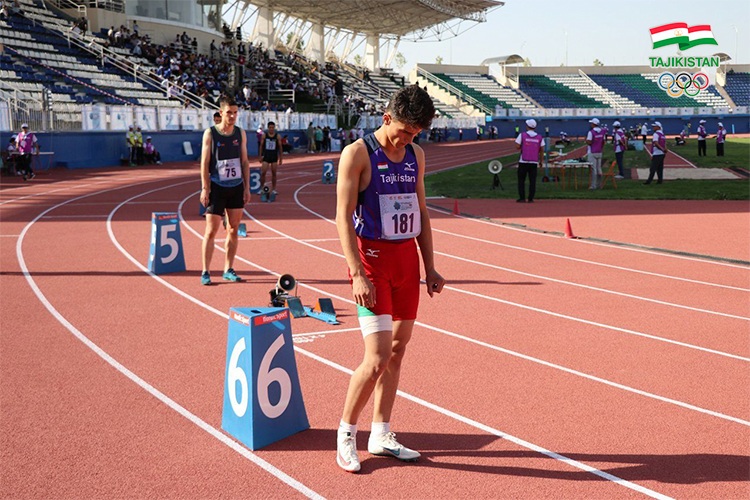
(373,324)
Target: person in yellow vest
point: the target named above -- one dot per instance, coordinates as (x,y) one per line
(138,146)
(130,140)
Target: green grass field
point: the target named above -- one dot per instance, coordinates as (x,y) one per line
(474,181)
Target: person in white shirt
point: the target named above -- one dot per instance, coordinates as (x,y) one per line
(658,153)
(620,142)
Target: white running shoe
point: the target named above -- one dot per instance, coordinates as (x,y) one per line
(386,445)
(619,177)
(346,452)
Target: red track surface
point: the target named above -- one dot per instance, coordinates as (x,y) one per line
(633,365)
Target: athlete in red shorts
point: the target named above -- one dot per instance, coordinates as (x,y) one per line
(381,215)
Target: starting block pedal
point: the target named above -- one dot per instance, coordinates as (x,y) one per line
(242,230)
(323,311)
(329,175)
(262,395)
(295,307)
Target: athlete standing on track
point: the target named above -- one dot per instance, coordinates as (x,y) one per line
(225,185)
(270,155)
(381,214)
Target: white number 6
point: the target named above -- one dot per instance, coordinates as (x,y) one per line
(266,377)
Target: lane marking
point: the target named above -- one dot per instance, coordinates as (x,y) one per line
(266,466)
(590,287)
(523,306)
(592,262)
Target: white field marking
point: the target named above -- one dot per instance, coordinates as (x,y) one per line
(154,202)
(293,483)
(491,430)
(64,188)
(594,263)
(531,308)
(530,358)
(83,216)
(589,287)
(325,332)
(598,243)
(417,400)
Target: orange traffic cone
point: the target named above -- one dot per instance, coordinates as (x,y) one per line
(568,229)
(455,207)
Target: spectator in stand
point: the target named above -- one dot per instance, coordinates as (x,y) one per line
(150,153)
(702,134)
(721,136)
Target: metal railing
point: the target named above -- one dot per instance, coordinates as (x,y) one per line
(600,91)
(463,96)
(107,56)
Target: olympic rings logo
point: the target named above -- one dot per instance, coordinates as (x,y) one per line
(682,83)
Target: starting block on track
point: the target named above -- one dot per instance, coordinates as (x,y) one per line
(295,307)
(165,255)
(329,174)
(324,311)
(266,195)
(262,395)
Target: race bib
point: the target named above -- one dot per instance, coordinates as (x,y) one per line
(229,169)
(270,145)
(399,216)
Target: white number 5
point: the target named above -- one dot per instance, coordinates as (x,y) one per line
(174,247)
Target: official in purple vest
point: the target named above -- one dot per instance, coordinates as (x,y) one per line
(658,153)
(531,146)
(595,140)
(702,134)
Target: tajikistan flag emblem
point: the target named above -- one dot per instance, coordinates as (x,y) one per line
(684,36)
(382,167)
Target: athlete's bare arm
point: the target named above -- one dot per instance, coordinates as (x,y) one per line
(205,160)
(353,177)
(434,281)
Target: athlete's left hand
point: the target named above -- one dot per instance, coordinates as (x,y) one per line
(435,282)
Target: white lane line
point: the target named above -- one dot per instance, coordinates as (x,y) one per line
(591,262)
(589,287)
(524,356)
(598,243)
(415,399)
(217,434)
(83,216)
(524,306)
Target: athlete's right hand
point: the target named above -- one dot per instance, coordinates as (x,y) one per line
(363,291)
(204,197)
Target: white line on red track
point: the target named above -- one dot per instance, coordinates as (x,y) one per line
(585,261)
(216,433)
(523,306)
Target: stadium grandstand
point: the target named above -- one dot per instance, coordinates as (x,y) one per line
(104,65)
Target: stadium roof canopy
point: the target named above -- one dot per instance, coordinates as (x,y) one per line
(503,60)
(383,17)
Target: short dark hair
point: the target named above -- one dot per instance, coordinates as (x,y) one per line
(227,100)
(413,106)
(217,115)
(271,123)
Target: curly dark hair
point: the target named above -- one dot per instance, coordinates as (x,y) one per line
(413,106)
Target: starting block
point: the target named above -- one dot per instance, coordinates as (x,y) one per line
(329,175)
(242,230)
(262,395)
(166,254)
(266,195)
(323,311)
(295,307)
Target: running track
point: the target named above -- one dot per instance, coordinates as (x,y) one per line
(548,367)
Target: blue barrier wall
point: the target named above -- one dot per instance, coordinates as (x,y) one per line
(105,149)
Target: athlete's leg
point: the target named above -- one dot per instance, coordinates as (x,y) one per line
(213,222)
(387,385)
(234,216)
(273,175)
(378,350)
(263,170)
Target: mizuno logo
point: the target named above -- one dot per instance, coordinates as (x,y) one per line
(371,252)
(409,166)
